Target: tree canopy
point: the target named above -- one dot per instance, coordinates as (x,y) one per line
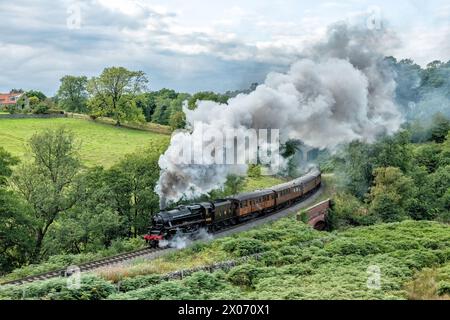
(114,91)
(72,93)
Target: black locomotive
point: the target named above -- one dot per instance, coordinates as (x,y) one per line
(221,213)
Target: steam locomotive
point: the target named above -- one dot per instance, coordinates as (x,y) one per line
(219,214)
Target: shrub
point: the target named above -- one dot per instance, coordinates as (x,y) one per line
(243,275)
(443,288)
(64,260)
(355,246)
(254,171)
(92,288)
(347,210)
(243,246)
(200,282)
(130,284)
(41,108)
(163,291)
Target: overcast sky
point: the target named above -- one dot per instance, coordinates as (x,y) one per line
(194,45)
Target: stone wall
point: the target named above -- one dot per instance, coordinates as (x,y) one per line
(32,116)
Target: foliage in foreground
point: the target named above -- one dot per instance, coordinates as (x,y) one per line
(92,288)
(299,263)
(431,283)
(295,262)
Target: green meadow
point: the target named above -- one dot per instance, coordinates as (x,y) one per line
(100,144)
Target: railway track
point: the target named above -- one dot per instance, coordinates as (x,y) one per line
(89,266)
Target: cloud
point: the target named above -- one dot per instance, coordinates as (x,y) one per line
(222,47)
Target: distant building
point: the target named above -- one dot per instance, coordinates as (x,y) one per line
(14,99)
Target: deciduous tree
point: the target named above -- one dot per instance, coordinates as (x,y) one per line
(72,93)
(114,91)
(48,183)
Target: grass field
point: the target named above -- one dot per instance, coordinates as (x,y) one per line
(101,144)
(252,184)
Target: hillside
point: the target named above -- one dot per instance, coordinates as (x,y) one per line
(101,144)
(294,262)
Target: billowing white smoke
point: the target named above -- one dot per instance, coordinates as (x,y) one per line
(181,241)
(340,92)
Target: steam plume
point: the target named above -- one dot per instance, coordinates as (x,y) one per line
(341,91)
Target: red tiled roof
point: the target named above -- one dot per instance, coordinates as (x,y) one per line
(9,98)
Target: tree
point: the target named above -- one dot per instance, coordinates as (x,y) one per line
(177,120)
(37,94)
(132,182)
(432,76)
(445,153)
(15,235)
(114,91)
(391,194)
(439,185)
(72,93)
(440,128)
(355,167)
(34,101)
(208,96)
(146,102)
(48,184)
(161,113)
(428,155)
(393,151)
(356,163)
(6,162)
(92,224)
(234,185)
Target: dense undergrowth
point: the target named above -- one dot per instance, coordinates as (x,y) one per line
(295,262)
(62,261)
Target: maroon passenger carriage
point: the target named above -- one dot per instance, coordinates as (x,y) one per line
(219,214)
